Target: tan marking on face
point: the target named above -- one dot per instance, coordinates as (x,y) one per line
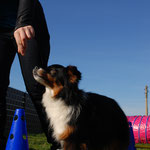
(69,130)
(57,89)
(51,80)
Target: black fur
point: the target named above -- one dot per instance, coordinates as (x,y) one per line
(101,123)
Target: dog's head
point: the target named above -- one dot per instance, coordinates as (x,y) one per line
(57,77)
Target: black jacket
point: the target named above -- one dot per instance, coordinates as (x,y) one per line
(31,13)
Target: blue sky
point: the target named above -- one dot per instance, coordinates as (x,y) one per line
(109,42)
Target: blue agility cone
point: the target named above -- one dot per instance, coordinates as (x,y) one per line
(132,141)
(17,139)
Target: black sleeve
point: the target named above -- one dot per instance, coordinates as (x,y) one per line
(25,13)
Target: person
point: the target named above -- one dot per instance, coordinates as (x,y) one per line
(23,30)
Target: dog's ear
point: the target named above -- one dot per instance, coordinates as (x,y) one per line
(74,74)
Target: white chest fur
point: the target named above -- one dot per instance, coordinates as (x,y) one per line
(57,112)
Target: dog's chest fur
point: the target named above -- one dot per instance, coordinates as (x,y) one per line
(57,112)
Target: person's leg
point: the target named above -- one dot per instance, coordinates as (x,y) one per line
(7,54)
(36,57)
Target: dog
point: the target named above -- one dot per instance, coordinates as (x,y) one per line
(80,120)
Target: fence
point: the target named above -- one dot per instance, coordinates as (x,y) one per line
(18,99)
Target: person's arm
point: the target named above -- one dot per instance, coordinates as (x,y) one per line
(24,29)
(25,13)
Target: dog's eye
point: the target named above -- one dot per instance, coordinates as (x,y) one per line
(53,72)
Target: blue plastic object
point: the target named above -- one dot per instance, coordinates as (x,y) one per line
(18,139)
(132,141)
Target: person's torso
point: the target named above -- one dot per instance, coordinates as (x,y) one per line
(8,13)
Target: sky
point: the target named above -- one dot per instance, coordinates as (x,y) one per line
(108,41)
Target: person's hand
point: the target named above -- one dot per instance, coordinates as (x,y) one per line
(21,35)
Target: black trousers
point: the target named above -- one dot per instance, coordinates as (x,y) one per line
(37,54)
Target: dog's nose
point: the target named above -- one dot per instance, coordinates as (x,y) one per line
(35,70)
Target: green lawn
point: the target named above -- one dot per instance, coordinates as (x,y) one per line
(38,142)
(143,146)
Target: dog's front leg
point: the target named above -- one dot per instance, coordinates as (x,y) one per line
(70,145)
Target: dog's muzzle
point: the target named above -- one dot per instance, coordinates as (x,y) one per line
(35,70)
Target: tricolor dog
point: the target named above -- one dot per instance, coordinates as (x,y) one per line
(80,120)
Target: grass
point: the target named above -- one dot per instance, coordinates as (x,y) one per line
(142,146)
(39,142)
